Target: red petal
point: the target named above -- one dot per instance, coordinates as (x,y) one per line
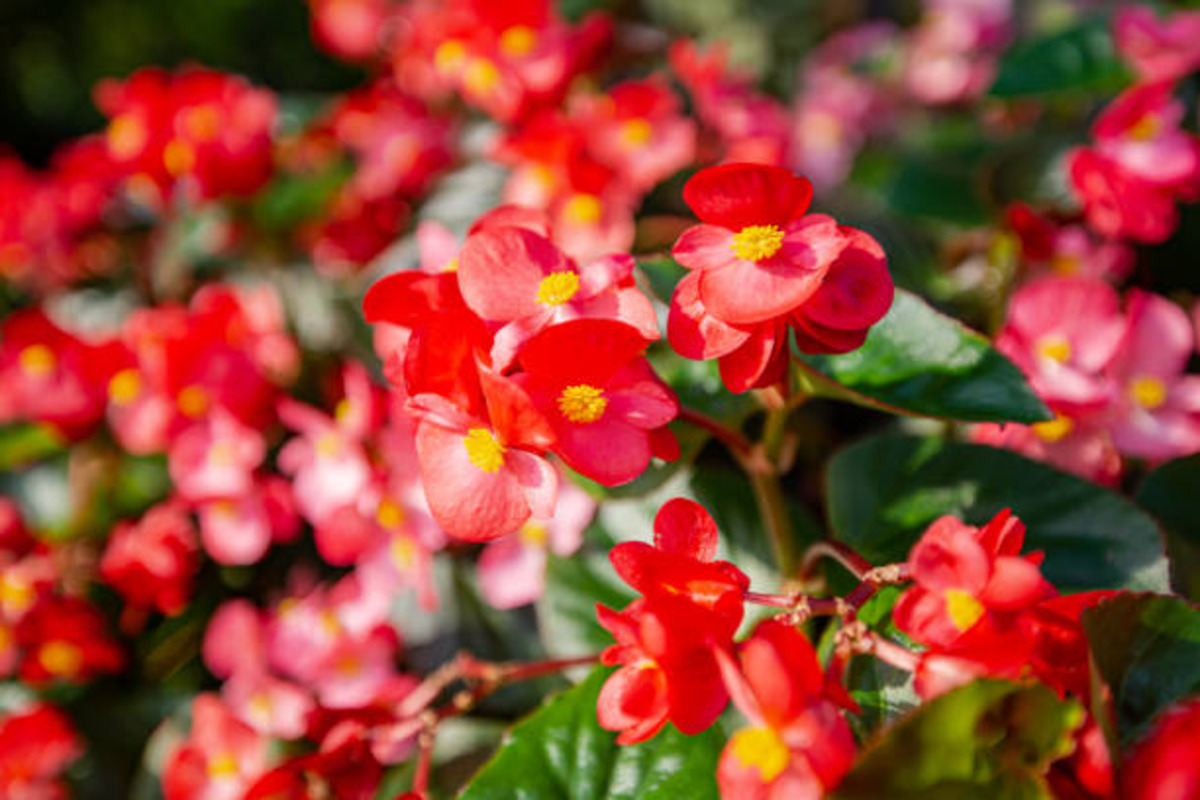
(514,417)
(582,351)
(609,451)
(736,195)
(857,291)
(760,362)
(684,527)
(499,271)
(693,332)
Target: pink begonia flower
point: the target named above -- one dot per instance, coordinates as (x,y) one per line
(402,555)
(1067,250)
(355,669)
(328,465)
(1083,448)
(235,640)
(269,705)
(215,458)
(1157,410)
(1117,204)
(512,570)
(240,529)
(1062,332)
(522,282)
(1140,131)
(952,54)
(220,758)
(24,582)
(1158,49)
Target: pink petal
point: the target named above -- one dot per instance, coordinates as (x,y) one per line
(500,270)
(704,247)
(512,574)
(693,332)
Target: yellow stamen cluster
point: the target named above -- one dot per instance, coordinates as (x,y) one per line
(192,401)
(223,765)
(757,242)
(557,288)
(483,449)
(964,610)
(126,136)
(518,41)
(1055,348)
(61,659)
(583,209)
(1145,129)
(534,534)
(762,749)
(1148,392)
(389,514)
(125,387)
(481,76)
(179,157)
(1054,430)
(582,403)
(37,360)
(636,132)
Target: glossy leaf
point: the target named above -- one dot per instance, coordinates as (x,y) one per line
(1082,58)
(1147,651)
(988,739)
(884,491)
(921,362)
(1169,493)
(560,751)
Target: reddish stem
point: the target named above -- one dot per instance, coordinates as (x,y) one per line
(889,652)
(842,554)
(732,439)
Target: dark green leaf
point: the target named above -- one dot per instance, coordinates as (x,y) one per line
(942,188)
(1170,494)
(988,739)
(1082,58)
(1147,650)
(884,491)
(23,444)
(560,751)
(919,361)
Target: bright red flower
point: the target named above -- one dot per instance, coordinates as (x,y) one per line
(668,672)
(482,467)
(682,563)
(220,758)
(798,745)
(349,29)
(757,253)
(514,278)
(606,409)
(1118,204)
(1140,131)
(36,746)
(65,639)
(970,600)
(152,563)
(344,765)
(1060,653)
(1163,766)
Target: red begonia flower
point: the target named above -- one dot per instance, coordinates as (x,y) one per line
(600,396)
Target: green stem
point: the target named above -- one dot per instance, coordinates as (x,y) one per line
(768,493)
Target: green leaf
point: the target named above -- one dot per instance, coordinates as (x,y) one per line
(919,361)
(1170,494)
(884,491)
(1082,58)
(942,188)
(560,751)
(24,444)
(988,739)
(1146,648)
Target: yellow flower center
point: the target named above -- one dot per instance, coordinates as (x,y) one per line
(125,387)
(451,265)
(483,449)
(178,157)
(518,41)
(1055,348)
(534,534)
(328,445)
(449,56)
(1145,129)
(964,610)
(1064,264)
(61,659)
(583,209)
(557,288)
(202,123)
(16,596)
(37,360)
(582,403)
(1148,392)
(481,76)
(389,515)
(636,132)
(762,749)
(404,553)
(757,242)
(223,765)
(192,401)
(126,136)
(1054,430)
